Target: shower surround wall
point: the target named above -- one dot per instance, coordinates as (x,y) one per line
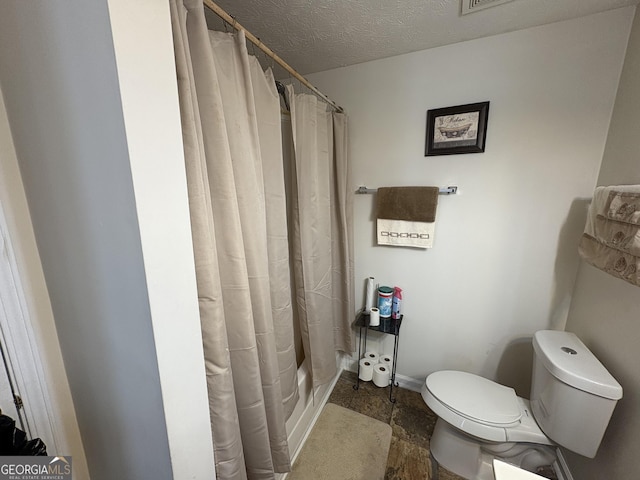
(505,251)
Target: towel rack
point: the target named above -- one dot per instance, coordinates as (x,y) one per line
(452,190)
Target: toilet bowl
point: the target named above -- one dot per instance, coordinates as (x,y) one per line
(480,420)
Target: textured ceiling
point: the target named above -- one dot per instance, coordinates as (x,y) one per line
(317,35)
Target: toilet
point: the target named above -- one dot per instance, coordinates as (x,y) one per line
(572,400)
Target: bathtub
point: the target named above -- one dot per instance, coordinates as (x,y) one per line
(307,411)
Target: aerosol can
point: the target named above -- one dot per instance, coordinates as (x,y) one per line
(396,304)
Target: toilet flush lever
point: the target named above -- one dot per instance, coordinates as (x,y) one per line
(568,350)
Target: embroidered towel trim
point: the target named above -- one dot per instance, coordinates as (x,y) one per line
(405,234)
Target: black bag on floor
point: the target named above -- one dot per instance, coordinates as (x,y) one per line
(13,441)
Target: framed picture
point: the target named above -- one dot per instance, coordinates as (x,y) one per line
(454,130)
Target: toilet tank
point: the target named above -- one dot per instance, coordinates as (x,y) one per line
(572,394)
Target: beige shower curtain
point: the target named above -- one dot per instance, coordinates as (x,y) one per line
(322,235)
(233,153)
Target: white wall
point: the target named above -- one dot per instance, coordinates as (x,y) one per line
(147,78)
(605,310)
(505,254)
(97,136)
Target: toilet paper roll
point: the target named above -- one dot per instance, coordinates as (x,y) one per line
(386,360)
(366,370)
(374,317)
(370,298)
(381,375)
(372,357)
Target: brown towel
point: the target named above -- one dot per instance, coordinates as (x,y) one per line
(414,204)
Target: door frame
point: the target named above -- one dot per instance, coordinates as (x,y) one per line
(21,346)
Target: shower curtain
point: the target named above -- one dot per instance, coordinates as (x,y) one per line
(322,232)
(233,155)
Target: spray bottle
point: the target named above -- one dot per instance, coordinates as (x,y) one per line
(396,303)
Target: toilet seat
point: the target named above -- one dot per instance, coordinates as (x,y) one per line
(481,420)
(473,404)
(476,398)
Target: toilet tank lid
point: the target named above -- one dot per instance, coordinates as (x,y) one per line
(569,360)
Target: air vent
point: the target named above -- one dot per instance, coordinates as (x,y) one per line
(470,6)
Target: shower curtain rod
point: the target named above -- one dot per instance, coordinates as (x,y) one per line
(256,41)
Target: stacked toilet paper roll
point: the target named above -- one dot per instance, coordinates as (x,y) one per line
(366,370)
(386,360)
(381,375)
(377,368)
(372,357)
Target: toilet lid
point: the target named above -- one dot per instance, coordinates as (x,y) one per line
(475,397)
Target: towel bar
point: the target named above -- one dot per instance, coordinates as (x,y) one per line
(452,190)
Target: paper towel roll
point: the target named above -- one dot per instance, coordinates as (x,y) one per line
(372,356)
(386,360)
(374,317)
(371,297)
(381,375)
(366,370)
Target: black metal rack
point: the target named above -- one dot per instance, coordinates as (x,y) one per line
(389,326)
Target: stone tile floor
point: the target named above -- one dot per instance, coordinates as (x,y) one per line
(412,424)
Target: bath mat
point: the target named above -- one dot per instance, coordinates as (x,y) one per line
(343,445)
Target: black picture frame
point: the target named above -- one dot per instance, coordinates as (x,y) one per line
(457,130)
